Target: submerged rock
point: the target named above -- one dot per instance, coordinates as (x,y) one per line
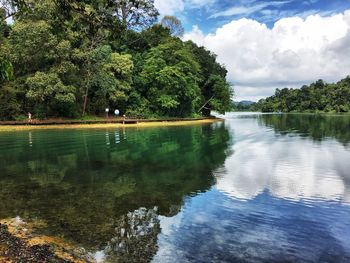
(19,243)
(135,237)
(14,249)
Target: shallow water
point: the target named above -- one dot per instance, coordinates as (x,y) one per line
(257,188)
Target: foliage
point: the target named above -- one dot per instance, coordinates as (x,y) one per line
(32,46)
(9,105)
(67,58)
(317,97)
(169,78)
(135,13)
(216,91)
(174,25)
(49,95)
(6,71)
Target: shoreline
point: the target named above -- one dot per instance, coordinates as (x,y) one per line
(20,242)
(102,124)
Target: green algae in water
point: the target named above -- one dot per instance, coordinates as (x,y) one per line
(83,182)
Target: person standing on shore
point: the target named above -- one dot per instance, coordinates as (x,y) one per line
(29,117)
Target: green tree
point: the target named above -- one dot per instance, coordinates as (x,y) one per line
(174,25)
(49,95)
(170,75)
(112,83)
(6,70)
(72,57)
(135,14)
(32,46)
(317,97)
(217,93)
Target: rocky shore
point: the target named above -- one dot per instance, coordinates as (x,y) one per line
(134,240)
(14,249)
(18,243)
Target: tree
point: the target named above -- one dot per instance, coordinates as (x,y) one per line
(135,14)
(221,95)
(10,7)
(170,75)
(72,57)
(6,70)
(32,46)
(107,79)
(3,24)
(113,82)
(50,96)
(318,96)
(174,25)
(217,94)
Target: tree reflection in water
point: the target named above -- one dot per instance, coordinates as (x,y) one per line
(83,183)
(318,127)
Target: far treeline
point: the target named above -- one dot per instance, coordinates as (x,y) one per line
(70,58)
(317,97)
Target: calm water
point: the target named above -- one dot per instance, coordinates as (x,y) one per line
(257,188)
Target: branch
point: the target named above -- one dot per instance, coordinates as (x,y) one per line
(206,103)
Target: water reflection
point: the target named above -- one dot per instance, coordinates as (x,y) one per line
(81,183)
(288,167)
(216,228)
(261,188)
(280,197)
(135,237)
(318,127)
(30,139)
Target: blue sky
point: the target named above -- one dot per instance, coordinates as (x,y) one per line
(212,14)
(269,44)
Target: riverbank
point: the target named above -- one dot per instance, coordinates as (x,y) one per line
(101,123)
(19,242)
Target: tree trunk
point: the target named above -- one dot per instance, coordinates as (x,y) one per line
(86,92)
(204,109)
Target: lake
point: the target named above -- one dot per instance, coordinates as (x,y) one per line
(257,188)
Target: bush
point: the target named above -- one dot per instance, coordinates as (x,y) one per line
(9,106)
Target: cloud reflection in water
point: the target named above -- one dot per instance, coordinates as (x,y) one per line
(288,167)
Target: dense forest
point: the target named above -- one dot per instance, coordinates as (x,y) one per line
(70,58)
(317,97)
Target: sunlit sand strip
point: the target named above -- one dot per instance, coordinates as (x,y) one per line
(6,128)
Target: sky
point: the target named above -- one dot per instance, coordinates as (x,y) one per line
(269,44)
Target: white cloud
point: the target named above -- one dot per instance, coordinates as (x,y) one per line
(171,7)
(293,52)
(247,10)
(253,93)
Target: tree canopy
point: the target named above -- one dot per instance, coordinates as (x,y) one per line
(65,58)
(317,97)
(174,25)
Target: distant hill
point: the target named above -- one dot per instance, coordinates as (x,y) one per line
(244,105)
(246,102)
